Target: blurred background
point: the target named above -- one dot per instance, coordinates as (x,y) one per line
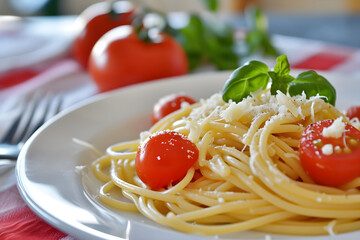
(38,38)
(335,21)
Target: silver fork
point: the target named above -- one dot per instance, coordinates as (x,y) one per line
(34,113)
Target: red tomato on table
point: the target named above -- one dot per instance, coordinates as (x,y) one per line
(169,104)
(94,22)
(121,58)
(340,163)
(353,112)
(165,158)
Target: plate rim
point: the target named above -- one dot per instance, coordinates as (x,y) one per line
(21,178)
(49,218)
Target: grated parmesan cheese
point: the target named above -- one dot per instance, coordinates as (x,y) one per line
(327,149)
(288,103)
(335,130)
(236,110)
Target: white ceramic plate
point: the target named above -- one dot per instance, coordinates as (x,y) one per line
(49,184)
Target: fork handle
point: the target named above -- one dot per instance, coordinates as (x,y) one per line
(9,151)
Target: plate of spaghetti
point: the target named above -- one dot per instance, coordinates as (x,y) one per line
(252,158)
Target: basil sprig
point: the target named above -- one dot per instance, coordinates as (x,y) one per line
(255,75)
(281,75)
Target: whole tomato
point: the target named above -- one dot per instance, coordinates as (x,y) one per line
(94,22)
(122,58)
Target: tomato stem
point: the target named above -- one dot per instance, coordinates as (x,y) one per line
(143,34)
(113,14)
(148,26)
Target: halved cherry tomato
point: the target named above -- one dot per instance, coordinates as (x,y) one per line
(169,104)
(353,112)
(94,22)
(121,58)
(165,158)
(336,166)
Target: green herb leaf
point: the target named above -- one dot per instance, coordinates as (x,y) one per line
(282,66)
(256,75)
(257,19)
(191,39)
(245,80)
(267,47)
(219,46)
(205,39)
(212,5)
(281,75)
(312,84)
(257,38)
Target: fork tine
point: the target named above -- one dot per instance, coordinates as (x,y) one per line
(35,112)
(46,114)
(27,108)
(34,104)
(58,106)
(11,132)
(29,128)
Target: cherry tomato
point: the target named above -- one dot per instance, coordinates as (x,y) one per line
(121,58)
(94,22)
(169,104)
(353,112)
(165,158)
(336,166)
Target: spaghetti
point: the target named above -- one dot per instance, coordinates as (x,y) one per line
(251,176)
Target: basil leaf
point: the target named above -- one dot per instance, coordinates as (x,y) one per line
(280,76)
(282,66)
(312,84)
(245,80)
(279,83)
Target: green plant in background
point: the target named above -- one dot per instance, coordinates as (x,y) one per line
(212,5)
(208,39)
(257,37)
(205,41)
